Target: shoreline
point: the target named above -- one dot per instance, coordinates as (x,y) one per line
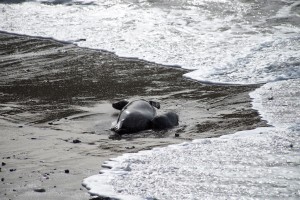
(55,112)
(103,51)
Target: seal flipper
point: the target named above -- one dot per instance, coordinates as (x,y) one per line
(155,104)
(120,104)
(117,127)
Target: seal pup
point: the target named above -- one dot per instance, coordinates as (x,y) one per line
(141,115)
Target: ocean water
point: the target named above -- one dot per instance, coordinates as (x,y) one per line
(220,41)
(258,164)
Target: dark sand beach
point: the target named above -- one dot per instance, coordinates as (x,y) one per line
(55,113)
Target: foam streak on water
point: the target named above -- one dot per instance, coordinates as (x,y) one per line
(227,41)
(261,163)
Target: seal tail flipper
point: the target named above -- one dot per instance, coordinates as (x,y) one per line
(120,104)
(155,104)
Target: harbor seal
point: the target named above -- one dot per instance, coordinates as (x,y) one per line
(141,115)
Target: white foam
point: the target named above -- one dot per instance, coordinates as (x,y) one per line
(219,40)
(279,103)
(270,60)
(261,163)
(287,10)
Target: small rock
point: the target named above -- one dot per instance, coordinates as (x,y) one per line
(33,138)
(3,164)
(39,190)
(67,171)
(176,134)
(271,98)
(291,145)
(132,147)
(12,170)
(46,176)
(20,126)
(50,123)
(2,179)
(76,141)
(14,190)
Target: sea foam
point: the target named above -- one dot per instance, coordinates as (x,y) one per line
(220,41)
(261,163)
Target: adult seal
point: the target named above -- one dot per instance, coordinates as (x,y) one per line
(141,115)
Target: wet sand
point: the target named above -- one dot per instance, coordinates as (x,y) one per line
(55,113)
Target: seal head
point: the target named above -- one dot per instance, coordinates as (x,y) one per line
(165,121)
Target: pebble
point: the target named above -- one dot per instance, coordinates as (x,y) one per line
(2,179)
(76,141)
(3,163)
(45,176)
(132,147)
(39,190)
(12,170)
(67,171)
(176,134)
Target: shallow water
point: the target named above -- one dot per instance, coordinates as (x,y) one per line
(262,163)
(227,41)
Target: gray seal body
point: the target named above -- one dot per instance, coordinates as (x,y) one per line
(134,116)
(141,115)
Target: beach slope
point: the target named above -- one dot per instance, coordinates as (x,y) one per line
(55,113)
